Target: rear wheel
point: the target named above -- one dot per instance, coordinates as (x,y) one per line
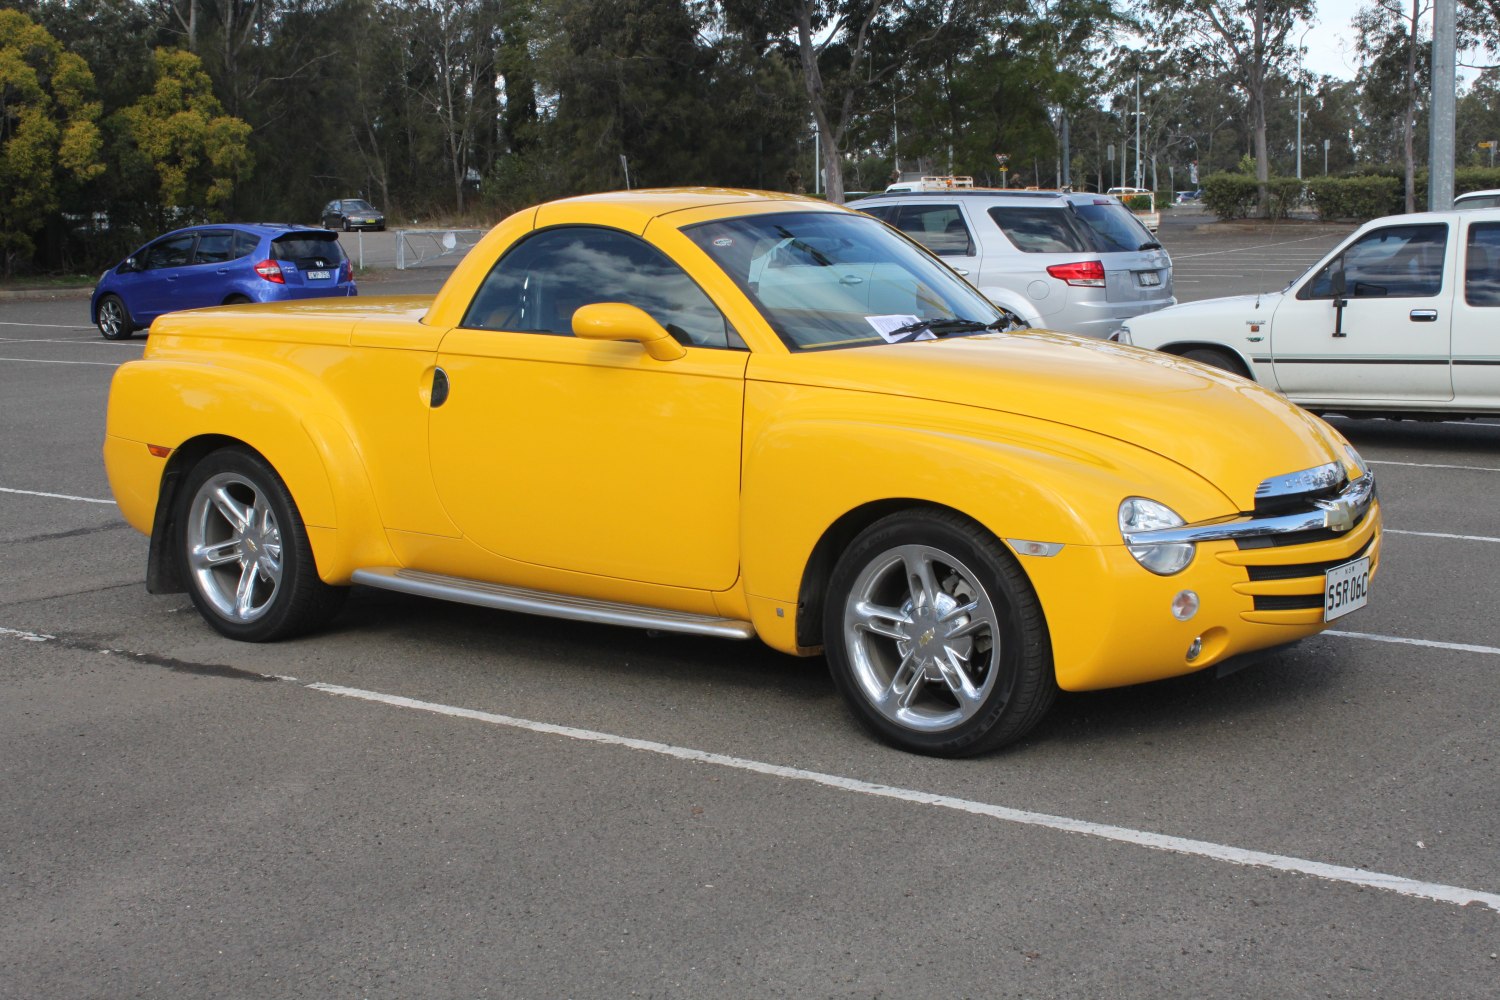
(1216,359)
(245,552)
(935,637)
(114,319)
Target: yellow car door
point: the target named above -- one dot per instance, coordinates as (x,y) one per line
(590,456)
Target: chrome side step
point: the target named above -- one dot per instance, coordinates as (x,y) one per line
(537,602)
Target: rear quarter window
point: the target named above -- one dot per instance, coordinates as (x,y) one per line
(1040,230)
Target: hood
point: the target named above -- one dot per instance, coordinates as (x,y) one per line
(1229,305)
(1225,429)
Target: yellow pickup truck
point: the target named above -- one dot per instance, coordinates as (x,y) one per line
(744,415)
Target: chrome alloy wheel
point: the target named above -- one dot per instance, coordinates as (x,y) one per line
(923,638)
(234,547)
(112,322)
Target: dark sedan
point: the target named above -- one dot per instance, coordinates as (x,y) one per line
(350,214)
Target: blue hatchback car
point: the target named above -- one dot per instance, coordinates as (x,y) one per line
(217,265)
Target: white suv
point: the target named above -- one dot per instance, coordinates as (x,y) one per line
(1079,263)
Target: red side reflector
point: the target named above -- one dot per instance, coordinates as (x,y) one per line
(1083,272)
(159,450)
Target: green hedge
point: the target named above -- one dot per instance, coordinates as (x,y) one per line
(1237,196)
(1356,197)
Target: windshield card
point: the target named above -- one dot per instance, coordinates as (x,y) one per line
(887,325)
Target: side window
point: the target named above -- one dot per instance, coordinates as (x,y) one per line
(939,228)
(1482,265)
(1395,262)
(244,245)
(1040,230)
(171,252)
(214,247)
(542,281)
(885,213)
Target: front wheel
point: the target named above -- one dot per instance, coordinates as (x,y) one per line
(935,637)
(245,552)
(114,319)
(1216,359)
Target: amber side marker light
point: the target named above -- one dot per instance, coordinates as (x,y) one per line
(159,450)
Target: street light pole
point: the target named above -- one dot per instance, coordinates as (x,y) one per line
(1138,126)
(1301,53)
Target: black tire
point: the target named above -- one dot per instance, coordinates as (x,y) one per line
(1217,359)
(237,300)
(114,320)
(244,552)
(978,629)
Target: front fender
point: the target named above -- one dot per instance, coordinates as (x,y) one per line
(814,455)
(283,413)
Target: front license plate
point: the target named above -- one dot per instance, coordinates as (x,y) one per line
(1149,278)
(319,275)
(1346,588)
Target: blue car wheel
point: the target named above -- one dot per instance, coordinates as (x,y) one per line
(114,319)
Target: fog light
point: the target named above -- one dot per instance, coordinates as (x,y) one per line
(1195,649)
(1184,605)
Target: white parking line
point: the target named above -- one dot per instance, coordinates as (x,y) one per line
(39,361)
(1434,465)
(55,496)
(46,326)
(1457,647)
(1258,246)
(1439,534)
(1438,892)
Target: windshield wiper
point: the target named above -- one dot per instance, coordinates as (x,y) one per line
(940,328)
(1149,245)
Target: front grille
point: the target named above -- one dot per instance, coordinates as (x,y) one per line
(1298,570)
(1299,602)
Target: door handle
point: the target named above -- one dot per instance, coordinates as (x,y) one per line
(961,272)
(439,394)
(1424,315)
(851,279)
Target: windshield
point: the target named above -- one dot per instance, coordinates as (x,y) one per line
(358,205)
(1114,228)
(836,279)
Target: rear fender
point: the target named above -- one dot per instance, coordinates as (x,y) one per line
(290,420)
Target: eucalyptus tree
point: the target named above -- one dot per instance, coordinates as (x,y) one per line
(1395,78)
(1247,41)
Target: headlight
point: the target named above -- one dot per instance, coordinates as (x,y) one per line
(1359,463)
(1139,514)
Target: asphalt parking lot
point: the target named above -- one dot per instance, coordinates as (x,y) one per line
(439,801)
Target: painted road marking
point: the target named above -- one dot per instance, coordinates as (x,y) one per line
(1435,891)
(40,361)
(1433,465)
(1439,534)
(1457,647)
(46,326)
(55,496)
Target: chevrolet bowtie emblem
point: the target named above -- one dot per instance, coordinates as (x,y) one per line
(1338,515)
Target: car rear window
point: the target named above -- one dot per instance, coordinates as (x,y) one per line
(301,246)
(1114,228)
(1034,229)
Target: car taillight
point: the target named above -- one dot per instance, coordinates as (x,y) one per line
(346,270)
(1083,272)
(271,271)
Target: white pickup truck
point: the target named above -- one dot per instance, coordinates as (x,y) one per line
(1402,319)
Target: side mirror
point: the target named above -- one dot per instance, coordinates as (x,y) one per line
(131,264)
(618,321)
